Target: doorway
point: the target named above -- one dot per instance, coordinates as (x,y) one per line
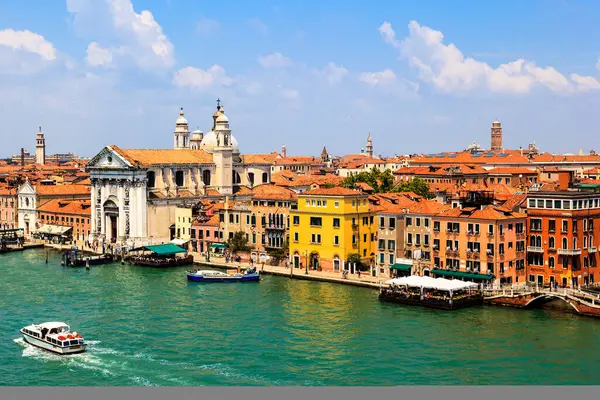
(113,227)
(540,280)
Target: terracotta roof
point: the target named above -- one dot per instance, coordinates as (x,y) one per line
(336,191)
(78,207)
(487,213)
(429,207)
(212,193)
(514,201)
(512,171)
(149,157)
(466,157)
(364,186)
(58,190)
(241,190)
(547,157)
(273,192)
(293,160)
(260,158)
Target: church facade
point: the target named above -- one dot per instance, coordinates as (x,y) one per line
(135,192)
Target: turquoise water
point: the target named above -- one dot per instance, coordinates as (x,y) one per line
(151,327)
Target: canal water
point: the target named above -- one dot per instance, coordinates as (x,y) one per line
(151,327)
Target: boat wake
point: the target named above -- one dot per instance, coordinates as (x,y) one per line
(115,365)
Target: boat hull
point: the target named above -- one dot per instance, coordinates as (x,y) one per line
(93,261)
(210,279)
(53,348)
(160,264)
(442,305)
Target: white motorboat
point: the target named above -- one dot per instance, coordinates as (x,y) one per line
(55,337)
(250,275)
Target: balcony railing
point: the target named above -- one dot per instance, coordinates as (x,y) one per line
(592,249)
(535,249)
(569,252)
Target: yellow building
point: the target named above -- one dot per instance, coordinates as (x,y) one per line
(328,226)
(183,225)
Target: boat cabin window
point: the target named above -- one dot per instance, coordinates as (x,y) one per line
(74,342)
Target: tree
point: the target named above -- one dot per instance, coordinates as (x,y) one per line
(380,181)
(239,242)
(417,186)
(355,258)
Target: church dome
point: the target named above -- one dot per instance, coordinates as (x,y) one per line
(209,142)
(181,120)
(197,135)
(222,118)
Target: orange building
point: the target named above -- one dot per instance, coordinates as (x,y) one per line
(270,225)
(74,214)
(480,243)
(563,231)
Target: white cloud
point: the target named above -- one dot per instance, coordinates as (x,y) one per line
(207,26)
(334,73)
(386,77)
(445,67)
(138,37)
(290,94)
(253,88)
(585,83)
(29,42)
(275,60)
(258,26)
(98,56)
(198,78)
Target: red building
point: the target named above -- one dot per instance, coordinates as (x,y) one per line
(74,214)
(563,229)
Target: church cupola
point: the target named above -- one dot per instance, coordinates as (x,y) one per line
(182,132)
(370,146)
(196,139)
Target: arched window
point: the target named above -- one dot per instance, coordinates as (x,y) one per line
(251,178)
(179,178)
(565,243)
(206,177)
(265,177)
(551,242)
(532,241)
(539,241)
(151,176)
(26,202)
(574,243)
(253,220)
(236,179)
(551,262)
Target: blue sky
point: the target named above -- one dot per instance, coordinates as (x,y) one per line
(421,77)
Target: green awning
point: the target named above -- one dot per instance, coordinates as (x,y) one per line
(53,229)
(461,274)
(165,249)
(217,246)
(401,267)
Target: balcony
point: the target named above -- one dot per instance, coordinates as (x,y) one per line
(592,249)
(282,228)
(535,229)
(535,249)
(569,252)
(436,249)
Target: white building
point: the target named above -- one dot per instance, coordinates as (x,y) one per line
(135,192)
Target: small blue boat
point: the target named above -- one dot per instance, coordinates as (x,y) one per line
(250,275)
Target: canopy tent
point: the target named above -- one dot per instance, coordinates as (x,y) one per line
(53,230)
(165,249)
(427,282)
(460,274)
(217,246)
(401,267)
(179,242)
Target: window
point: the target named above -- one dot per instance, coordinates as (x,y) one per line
(336,222)
(206,177)
(510,227)
(409,239)
(426,240)
(265,177)
(381,245)
(551,262)
(316,238)
(490,230)
(392,223)
(391,245)
(365,221)
(381,222)
(392,259)
(426,222)
(316,221)
(566,204)
(436,244)
(501,230)
(565,226)
(295,236)
(565,243)
(575,225)
(552,225)
(551,243)
(418,221)
(336,204)
(179,177)
(365,238)
(436,226)
(353,239)
(336,240)
(501,248)
(531,203)
(418,239)
(557,204)
(408,221)
(151,179)
(381,258)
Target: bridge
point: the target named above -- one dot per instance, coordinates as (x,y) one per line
(525,297)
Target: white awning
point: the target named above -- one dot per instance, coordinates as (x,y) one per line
(53,229)
(431,283)
(179,242)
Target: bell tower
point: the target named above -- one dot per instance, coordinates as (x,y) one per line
(40,148)
(496,137)
(181,135)
(223,152)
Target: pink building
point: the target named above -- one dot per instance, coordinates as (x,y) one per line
(8,208)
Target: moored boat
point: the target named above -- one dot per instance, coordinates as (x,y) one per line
(433,293)
(250,275)
(55,337)
(76,258)
(162,255)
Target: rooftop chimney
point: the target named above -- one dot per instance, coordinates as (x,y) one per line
(22,157)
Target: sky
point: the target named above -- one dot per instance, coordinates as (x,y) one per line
(420,77)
